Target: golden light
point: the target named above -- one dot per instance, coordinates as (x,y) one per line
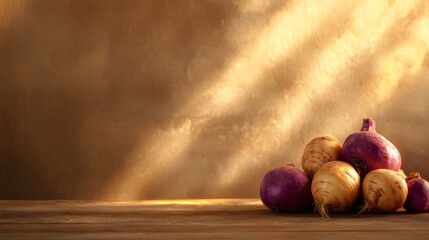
(351,45)
(319,80)
(231,87)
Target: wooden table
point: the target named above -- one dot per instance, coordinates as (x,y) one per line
(195,219)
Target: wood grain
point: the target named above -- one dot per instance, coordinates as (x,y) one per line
(194,219)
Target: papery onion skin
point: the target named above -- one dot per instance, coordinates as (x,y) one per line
(383,190)
(335,187)
(367,150)
(286,189)
(418,194)
(318,151)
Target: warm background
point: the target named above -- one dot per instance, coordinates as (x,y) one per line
(122,100)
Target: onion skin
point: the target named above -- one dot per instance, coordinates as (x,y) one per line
(335,187)
(286,189)
(383,190)
(418,194)
(402,173)
(319,151)
(367,150)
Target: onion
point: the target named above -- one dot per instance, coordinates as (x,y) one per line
(367,150)
(335,187)
(418,194)
(286,189)
(383,190)
(319,151)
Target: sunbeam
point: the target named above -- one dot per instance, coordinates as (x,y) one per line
(319,80)
(407,58)
(282,34)
(162,100)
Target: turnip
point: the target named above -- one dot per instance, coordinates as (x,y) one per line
(286,189)
(383,190)
(319,151)
(335,187)
(367,150)
(418,194)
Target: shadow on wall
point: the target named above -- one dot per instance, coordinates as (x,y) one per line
(81,81)
(183,99)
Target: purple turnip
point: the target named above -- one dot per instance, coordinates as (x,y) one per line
(286,189)
(367,150)
(418,194)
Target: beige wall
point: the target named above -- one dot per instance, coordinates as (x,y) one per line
(107,99)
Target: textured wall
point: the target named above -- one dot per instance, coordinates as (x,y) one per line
(107,99)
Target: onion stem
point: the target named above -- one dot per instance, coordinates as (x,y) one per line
(368,125)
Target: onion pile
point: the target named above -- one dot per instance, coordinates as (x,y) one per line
(365,169)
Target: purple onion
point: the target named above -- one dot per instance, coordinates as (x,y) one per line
(286,189)
(418,194)
(367,150)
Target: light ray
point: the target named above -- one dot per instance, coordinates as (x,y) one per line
(232,86)
(407,58)
(354,45)
(230,89)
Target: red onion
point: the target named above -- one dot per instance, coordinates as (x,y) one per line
(286,189)
(418,194)
(367,150)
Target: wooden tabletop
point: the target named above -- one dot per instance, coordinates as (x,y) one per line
(195,219)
